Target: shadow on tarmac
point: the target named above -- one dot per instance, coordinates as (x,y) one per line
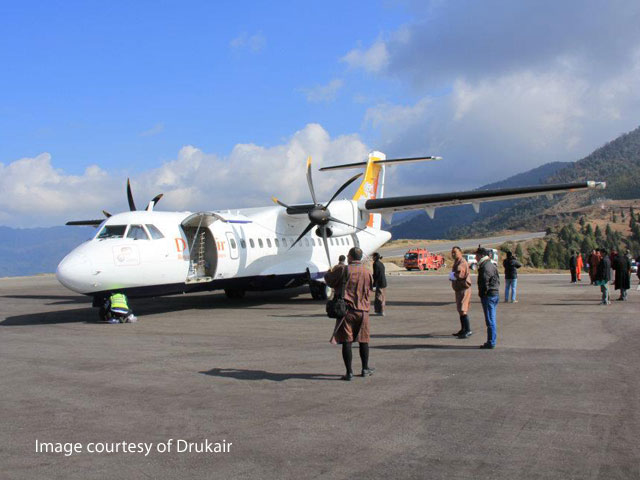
(420,335)
(411,303)
(61,299)
(264,375)
(86,315)
(423,346)
(157,305)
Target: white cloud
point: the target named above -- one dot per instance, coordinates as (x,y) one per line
(153,131)
(374,59)
(37,194)
(254,43)
(495,127)
(503,87)
(323,93)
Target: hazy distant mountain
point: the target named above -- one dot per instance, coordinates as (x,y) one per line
(27,251)
(448,218)
(617,163)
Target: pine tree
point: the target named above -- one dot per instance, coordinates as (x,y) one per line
(519,251)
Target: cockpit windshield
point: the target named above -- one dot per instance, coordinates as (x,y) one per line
(112,231)
(411,256)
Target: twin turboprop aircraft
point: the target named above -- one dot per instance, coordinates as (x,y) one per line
(151,253)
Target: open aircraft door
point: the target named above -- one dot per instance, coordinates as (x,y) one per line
(203,254)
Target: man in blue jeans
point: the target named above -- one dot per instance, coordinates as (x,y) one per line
(511,266)
(488,290)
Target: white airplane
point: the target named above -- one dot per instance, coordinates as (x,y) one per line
(152,253)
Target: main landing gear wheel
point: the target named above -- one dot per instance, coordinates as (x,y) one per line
(234,293)
(319,290)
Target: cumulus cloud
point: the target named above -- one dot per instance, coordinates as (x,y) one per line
(37,194)
(323,93)
(502,87)
(373,59)
(254,43)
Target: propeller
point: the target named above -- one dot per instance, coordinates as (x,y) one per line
(132,207)
(319,215)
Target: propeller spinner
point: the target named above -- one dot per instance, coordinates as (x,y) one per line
(319,215)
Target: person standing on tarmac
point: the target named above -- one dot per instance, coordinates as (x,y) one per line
(511,266)
(573,265)
(461,284)
(354,326)
(380,284)
(488,291)
(622,267)
(579,265)
(603,276)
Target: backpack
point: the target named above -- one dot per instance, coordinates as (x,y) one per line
(337,307)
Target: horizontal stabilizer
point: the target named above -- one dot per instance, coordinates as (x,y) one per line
(388,161)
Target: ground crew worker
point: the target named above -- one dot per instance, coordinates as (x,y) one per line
(354,326)
(603,276)
(119,308)
(460,278)
(380,284)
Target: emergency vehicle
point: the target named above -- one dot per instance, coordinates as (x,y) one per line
(422,259)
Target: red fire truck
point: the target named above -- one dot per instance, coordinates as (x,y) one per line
(422,259)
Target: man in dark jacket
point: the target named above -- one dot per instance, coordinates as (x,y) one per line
(380,284)
(354,326)
(622,267)
(488,291)
(573,267)
(603,276)
(511,266)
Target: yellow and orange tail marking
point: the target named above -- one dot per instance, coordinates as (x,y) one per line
(369,185)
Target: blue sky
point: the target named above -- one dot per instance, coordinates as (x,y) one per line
(217,104)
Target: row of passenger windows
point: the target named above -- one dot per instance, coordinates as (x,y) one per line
(306,242)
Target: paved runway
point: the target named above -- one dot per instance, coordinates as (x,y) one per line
(558,399)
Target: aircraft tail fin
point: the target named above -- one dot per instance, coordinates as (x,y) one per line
(372,185)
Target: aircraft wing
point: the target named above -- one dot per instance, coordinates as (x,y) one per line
(475,197)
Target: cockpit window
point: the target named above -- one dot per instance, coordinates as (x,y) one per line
(137,233)
(155,233)
(112,231)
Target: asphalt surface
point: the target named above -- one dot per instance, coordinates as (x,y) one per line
(447,245)
(558,399)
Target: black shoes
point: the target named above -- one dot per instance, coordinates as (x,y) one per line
(367,372)
(348,377)
(487,346)
(458,333)
(465,335)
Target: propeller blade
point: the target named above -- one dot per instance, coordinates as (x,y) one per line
(154,202)
(306,230)
(346,184)
(282,204)
(310,181)
(93,223)
(334,219)
(323,231)
(106,214)
(132,205)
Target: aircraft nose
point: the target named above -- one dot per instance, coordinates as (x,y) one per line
(75,272)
